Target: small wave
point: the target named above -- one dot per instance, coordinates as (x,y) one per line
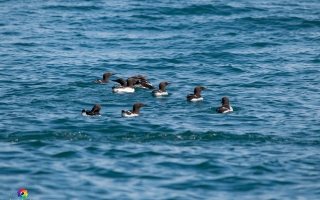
(272,22)
(264,44)
(39,138)
(311,23)
(70,8)
(317,60)
(66,154)
(205,9)
(11,33)
(147,17)
(26,44)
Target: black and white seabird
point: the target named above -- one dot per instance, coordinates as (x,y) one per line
(105,78)
(197,94)
(135,112)
(225,108)
(161,91)
(93,112)
(141,81)
(124,87)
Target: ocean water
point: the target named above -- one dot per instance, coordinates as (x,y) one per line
(263,55)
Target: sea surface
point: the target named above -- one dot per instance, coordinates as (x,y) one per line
(263,55)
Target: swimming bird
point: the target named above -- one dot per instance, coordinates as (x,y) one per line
(225,108)
(197,94)
(161,90)
(135,112)
(124,87)
(105,78)
(94,111)
(141,81)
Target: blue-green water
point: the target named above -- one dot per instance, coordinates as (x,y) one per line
(263,55)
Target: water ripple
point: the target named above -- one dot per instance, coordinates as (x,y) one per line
(262,55)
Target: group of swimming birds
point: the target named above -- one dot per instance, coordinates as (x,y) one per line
(141,81)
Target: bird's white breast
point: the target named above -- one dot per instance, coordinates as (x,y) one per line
(123,89)
(131,115)
(229,110)
(84,114)
(160,93)
(197,99)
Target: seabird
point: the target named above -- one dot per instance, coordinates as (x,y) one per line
(94,111)
(161,90)
(197,94)
(124,87)
(135,112)
(141,81)
(225,108)
(105,78)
